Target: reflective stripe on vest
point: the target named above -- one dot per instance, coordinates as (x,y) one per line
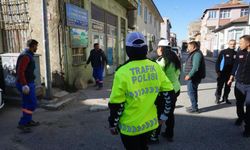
(145,126)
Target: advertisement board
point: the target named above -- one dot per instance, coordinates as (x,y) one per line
(79,38)
(76,17)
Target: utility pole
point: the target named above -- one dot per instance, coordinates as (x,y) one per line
(48,84)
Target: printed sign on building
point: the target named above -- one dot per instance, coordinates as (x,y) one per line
(76,16)
(79,38)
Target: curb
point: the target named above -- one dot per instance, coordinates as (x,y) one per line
(203,87)
(95,105)
(57,103)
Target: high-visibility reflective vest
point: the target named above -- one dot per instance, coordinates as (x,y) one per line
(137,84)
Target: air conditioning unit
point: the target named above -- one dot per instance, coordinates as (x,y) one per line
(132,17)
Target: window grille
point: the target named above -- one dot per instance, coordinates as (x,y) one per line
(78,56)
(14,23)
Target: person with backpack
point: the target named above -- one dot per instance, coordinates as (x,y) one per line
(171,65)
(195,70)
(135,88)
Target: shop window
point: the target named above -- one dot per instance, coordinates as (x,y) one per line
(97,13)
(111,19)
(78,56)
(77,2)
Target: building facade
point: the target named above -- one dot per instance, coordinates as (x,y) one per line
(233,30)
(73,26)
(173,39)
(216,17)
(194,30)
(148,22)
(165,28)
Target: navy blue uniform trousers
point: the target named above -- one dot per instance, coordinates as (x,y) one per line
(29,103)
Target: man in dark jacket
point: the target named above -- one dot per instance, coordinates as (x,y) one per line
(25,84)
(195,70)
(223,67)
(98,61)
(241,72)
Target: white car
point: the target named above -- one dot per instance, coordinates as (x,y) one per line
(1,100)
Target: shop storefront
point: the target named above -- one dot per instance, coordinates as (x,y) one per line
(104,32)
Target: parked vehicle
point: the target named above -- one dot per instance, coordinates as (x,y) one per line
(177,50)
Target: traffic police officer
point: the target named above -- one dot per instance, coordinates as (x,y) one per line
(136,86)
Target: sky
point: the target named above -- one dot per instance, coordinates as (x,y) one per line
(183,12)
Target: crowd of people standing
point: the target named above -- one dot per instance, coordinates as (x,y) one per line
(134,114)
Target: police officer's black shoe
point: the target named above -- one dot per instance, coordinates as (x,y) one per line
(228,102)
(99,88)
(169,139)
(217,100)
(238,122)
(24,128)
(153,140)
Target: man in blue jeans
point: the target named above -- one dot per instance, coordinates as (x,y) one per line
(195,70)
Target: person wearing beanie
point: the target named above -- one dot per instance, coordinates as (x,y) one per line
(136,86)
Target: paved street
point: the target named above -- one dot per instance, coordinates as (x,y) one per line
(74,127)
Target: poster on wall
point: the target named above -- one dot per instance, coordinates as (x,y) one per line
(76,16)
(110,55)
(78,38)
